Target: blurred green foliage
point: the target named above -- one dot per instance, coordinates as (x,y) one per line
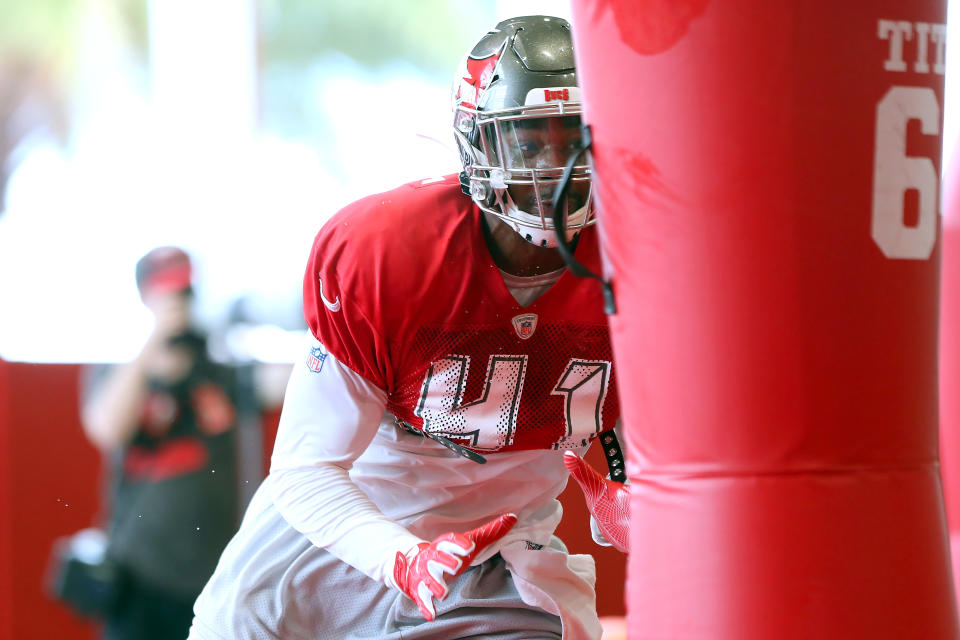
(431,34)
(295,38)
(45,28)
(49,30)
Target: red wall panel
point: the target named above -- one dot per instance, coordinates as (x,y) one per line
(54,491)
(6,545)
(50,487)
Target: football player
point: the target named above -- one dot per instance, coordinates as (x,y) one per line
(453,361)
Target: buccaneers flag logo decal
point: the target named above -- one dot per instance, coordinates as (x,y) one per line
(476,77)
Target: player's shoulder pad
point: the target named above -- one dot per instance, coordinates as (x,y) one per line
(367,263)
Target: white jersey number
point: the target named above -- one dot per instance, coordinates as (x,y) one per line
(490,422)
(584,386)
(895,174)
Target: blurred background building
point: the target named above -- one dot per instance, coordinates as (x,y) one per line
(232,128)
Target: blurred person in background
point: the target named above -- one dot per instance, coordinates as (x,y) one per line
(167,423)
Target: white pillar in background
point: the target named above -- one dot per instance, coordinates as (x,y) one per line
(203,62)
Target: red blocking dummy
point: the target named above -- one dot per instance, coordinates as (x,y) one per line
(767,175)
(950,352)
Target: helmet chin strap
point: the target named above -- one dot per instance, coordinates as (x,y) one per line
(559,200)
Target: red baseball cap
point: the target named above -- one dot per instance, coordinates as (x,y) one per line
(164,270)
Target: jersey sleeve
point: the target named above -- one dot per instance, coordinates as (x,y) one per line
(340,300)
(330,416)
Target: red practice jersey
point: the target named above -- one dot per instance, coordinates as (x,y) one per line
(402,289)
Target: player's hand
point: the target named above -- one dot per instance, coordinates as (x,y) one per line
(171,313)
(608,501)
(421,576)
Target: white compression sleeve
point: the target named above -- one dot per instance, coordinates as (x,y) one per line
(329,418)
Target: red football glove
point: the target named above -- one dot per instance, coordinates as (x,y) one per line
(608,501)
(421,576)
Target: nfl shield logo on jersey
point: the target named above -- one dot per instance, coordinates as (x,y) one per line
(525,325)
(315,359)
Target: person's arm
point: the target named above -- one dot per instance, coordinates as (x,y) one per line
(330,416)
(112,410)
